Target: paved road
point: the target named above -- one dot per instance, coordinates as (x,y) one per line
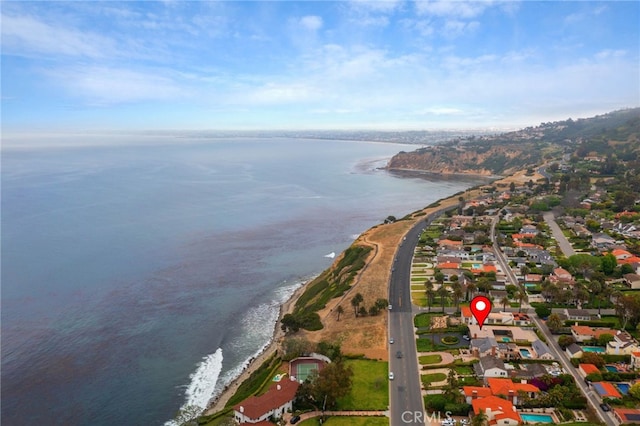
(406,405)
(563,243)
(551,342)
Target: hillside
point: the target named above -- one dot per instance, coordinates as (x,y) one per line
(615,133)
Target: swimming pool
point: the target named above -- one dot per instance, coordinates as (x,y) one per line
(611,368)
(592,349)
(525,353)
(623,388)
(536,418)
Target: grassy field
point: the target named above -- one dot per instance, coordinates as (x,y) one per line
(464,370)
(348,421)
(370,390)
(432,378)
(430,359)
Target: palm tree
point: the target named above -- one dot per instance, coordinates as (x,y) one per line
(504,301)
(522,297)
(442,292)
(340,311)
(429,292)
(479,419)
(471,289)
(355,302)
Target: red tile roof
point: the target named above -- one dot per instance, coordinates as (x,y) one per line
(589,368)
(503,386)
(466,311)
(256,406)
(481,391)
(609,390)
(494,404)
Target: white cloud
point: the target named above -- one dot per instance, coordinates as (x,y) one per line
(24,35)
(455,9)
(610,53)
(456,28)
(311,22)
(101,86)
(383,6)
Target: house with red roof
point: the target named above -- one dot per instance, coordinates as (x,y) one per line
(506,388)
(606,390)
(498,411)
(627,415)
(587,369)
(635,360)
(584,333)
(449,243)
(274,403)
(466,316)
(472,393)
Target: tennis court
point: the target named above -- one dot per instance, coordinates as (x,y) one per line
(301,368)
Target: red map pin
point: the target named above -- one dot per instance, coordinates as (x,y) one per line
(480,308)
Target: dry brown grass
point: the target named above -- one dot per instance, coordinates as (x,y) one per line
(368,335)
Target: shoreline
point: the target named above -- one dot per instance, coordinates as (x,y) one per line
(218,403)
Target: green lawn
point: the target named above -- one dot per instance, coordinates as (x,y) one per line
(432,378)
(464,370)
(348,421)
(430,359)
(370,389)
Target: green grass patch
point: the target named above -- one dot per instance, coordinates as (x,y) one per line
(348,421)
(430,359)
(432,378)
(417,287)
(370,389)
(256,381)
(450,340)
(463,370)
(424,319)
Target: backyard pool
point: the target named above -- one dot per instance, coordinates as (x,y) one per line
(592,349)
(623,388)
(525,353)
(611,368)
(536,418)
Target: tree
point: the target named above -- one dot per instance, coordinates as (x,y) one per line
(504,302)
(609,263)
(479,419)
(603,339)
(634,390)
(355,302)
(290,324)
(373,311)
(554,322)
(593,358)
(522,297)
(339,311)
(333,382)
(442,292)
(543,311)
(565,340)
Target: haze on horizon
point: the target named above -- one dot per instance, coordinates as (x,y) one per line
(244,65)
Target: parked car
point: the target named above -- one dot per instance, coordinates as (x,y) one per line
(391,375)
(465,337)
(391,341)
(605,407)
(398,354)
(294,420)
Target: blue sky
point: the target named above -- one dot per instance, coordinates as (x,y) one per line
(314,65)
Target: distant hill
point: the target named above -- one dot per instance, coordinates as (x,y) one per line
(616,133)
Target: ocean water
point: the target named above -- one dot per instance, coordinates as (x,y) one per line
(141,276)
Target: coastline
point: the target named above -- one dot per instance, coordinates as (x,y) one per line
(218,404)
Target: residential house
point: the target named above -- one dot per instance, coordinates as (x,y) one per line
(507,389)
(486,346)
(587,369)
(584,333)
(490,366)
(602,241)
(606,390)
(474,392)
(561,276)
(577,314)
(520,318)
(627,415)
(574,351)
(542,350)
(449,244)
(466,316)
(635,360)
(499,411)
(622,344)
(274,403)
(632,280)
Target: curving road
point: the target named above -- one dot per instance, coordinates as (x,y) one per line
(406,405)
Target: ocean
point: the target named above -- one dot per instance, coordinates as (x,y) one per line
(140,276)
